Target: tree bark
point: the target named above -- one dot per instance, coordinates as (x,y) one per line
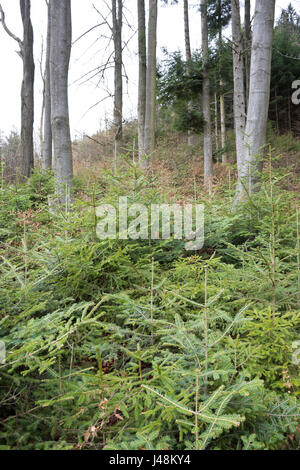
(188,54)
(47,142)
(247,28)
(27,92)
(223,125)
(142,77)
(187,41)
(117,16)
(151,83)
(259,97)
(208,163)
(60,50)
(222,99)
(238,75)
(216,123)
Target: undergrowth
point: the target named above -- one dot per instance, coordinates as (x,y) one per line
(115,344)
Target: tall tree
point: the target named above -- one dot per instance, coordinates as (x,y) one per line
(117,21)
(238,74)
(60,51)
(222,98)
(27,92)
(187,41)
(188,53)
(219,14)
(151,83)
(247,28)
(208,163)
(259,97)
(142,76)
(47,141)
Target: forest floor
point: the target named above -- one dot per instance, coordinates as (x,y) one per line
(123,344)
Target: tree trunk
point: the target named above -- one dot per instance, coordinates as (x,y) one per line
(27,93)
(259,97)
(60,50)
(238,75)
(216,123)
(208,163)
(188,54)
(151,83)
(247,28)
(47,144)
(117,15)
(42,120)
(222,99)
(223,125)
(142,77)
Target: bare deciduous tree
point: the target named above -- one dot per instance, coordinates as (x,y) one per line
(188,53)
(187,41)
(238,76)
(222,98)
(208,163)
(247,28)
(27,92)
(47,141)
(149,141)
(117,21)
(60,50)
(142,76)
(259,97)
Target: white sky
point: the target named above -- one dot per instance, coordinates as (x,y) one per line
(88,53)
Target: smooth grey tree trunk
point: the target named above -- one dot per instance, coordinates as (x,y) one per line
(223,124)
(60,50)
(47,141)
(187,41)
(142,77)
(208,163)
(27,93)
(216,122)
(188,53)
(247,46)
(222,98)
(151,84)
(238,76)
(117,16)
(42,123)
(259,97)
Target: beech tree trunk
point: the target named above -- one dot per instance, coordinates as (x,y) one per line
(238,75)
(188,54)
(208,163)
(222,99)
(259,97)
(27,92)
(142,77)
(117,16)
(216,123)
(60,50)
(151,83)
(187,41)
(47,142)
(247,46)
(223,125)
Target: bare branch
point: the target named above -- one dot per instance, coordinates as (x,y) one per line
(8,31)
(88,31)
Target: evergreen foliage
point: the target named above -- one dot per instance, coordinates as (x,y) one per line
(140,345)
